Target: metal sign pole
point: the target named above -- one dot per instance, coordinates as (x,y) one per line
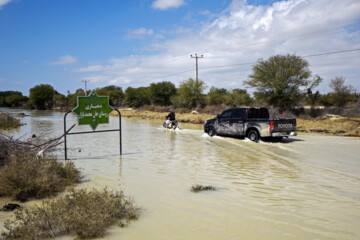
(92,110)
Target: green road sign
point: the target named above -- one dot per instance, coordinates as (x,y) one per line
(92,110)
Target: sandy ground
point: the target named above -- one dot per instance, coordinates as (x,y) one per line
(341,126)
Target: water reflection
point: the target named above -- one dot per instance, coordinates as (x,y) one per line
(306,189)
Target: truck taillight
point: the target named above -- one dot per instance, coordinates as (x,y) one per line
(272,125)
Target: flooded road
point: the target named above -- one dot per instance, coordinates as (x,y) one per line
(307,187)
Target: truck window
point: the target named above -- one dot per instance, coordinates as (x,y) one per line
(226,114)
(238,113)
(258,113)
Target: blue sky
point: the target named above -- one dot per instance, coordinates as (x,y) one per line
(135,43)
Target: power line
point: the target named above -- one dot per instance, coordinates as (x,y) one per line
(313,55)
(329,53)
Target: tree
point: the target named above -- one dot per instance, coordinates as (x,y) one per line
(116,94)
(238,97)
(216,96)
(137,97)
(282,81)
(72,98)
(60,100)
(342,94)
(160,93)
(12,99)
(191,93)
(42,96)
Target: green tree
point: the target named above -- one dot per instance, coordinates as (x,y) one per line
(72,97)
(282,81)
(326,99)
(137,97)
(12,99)
(161,93)
(191,93)
(216,96)
(342,94)
(116,94)
(238,97)
(42,96)
(60,100)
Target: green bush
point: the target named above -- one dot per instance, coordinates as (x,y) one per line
(84,213)
(26,176)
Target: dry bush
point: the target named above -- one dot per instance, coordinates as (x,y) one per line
(26,176)
(153,108)
(85,213)
(161,109)
(183,110)
(275,113)
(212,109)
(7,121)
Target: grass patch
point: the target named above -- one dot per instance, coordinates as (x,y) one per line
(7,121)
(87,214)
(198,188)
(25,176)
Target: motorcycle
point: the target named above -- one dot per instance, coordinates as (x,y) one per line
(171,124)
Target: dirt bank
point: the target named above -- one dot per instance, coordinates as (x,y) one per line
(329,126)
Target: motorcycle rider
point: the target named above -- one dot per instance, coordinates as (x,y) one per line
(170,117)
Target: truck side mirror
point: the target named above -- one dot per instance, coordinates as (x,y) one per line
(218,116)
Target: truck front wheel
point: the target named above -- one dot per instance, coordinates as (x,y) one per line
(253,135)
(211,131)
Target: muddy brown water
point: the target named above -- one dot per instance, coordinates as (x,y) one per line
(307,187)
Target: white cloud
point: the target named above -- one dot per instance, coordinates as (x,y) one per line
(243,33)
(64,60)
(166,4)
(4,2)
(140,33)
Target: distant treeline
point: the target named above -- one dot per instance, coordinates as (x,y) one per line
(188,95)
(282,81)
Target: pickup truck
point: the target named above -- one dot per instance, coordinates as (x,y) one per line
(253,123)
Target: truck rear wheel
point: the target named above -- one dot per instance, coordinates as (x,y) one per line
(253,135)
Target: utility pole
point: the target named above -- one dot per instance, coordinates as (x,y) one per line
(85,81)
(196,61)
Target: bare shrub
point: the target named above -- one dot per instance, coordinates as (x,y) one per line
(85,213)
(37,145)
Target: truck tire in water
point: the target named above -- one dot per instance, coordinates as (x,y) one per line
(211,131)
(253,135)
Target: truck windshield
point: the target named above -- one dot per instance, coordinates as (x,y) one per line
(226,114)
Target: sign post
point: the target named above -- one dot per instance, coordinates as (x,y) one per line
(92,110)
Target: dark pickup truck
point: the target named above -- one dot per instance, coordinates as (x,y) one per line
(253,123)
